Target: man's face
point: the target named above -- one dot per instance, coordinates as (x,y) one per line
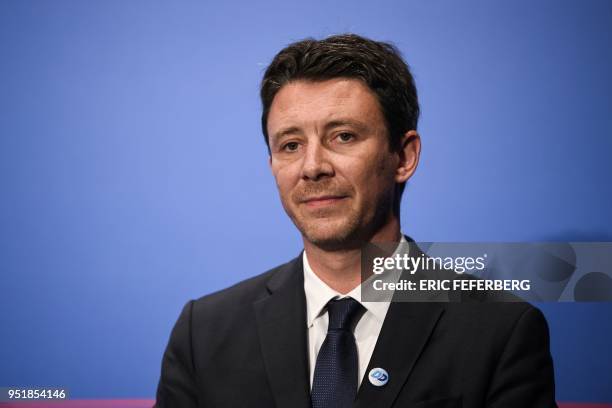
(331,160)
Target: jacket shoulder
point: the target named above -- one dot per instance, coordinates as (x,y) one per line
(242,294)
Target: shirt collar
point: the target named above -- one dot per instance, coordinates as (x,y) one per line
(318,293)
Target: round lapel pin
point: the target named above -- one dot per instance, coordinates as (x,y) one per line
(378,377)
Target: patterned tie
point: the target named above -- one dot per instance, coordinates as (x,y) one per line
(335,376)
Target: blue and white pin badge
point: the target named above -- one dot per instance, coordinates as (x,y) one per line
(378,377)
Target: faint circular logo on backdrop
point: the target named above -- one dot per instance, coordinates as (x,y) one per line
(593,287)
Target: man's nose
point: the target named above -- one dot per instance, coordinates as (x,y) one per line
(316,162)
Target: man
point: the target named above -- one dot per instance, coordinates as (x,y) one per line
(340,122)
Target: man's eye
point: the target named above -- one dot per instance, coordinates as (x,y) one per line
(346,137)
(291,146)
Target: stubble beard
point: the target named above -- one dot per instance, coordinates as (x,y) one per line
(345,227)
(341,231)
(329,228)
(342,228)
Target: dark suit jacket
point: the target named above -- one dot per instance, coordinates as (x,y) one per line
(246,346)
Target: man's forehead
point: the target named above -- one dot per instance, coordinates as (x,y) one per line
(305,91)
(329,102)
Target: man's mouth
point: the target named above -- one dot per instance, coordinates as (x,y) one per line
(323,201)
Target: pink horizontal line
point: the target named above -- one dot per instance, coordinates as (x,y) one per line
(582,405)
(149,403)
(128,403)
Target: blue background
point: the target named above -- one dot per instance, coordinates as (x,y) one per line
(134,176)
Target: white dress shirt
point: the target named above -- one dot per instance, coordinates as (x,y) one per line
(367,329)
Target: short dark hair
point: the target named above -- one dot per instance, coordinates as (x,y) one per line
(378,64)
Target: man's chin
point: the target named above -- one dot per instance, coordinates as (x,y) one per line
(332,240)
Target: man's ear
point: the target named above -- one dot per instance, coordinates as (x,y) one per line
(270,161)
(410,150)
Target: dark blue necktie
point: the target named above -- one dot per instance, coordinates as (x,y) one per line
(335,376)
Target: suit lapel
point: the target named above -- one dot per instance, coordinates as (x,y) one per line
(402,339)
(281,322)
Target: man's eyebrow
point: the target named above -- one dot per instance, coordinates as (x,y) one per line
(328,126)
(286,131)
(346,122)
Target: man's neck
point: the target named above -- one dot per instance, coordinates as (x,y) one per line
(341,269)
